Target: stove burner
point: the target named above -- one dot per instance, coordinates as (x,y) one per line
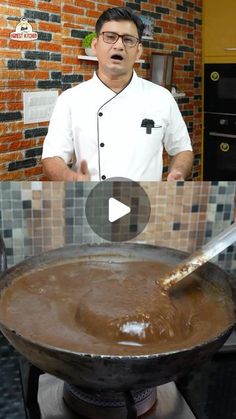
(104,405)
(44,395)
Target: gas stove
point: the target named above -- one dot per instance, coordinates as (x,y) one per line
(47,397)
(165,401)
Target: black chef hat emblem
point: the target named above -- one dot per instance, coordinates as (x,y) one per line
(148,124)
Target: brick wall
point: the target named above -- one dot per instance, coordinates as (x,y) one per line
(51,63)
(26,66)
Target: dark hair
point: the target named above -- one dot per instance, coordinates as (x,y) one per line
(120,13)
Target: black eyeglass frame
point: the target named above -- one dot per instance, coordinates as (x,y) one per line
(122,37)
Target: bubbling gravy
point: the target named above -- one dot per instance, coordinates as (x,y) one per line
(113,308)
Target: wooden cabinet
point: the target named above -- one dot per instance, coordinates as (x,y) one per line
(219,31)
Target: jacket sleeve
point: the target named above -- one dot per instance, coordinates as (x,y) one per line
(176,137)
(59,139)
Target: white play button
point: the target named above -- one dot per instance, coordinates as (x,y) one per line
(117,210)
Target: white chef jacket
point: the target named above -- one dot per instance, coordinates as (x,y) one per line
(93,123)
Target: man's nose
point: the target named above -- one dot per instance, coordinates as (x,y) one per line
(119,43)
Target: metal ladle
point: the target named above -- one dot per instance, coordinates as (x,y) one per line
(199,257)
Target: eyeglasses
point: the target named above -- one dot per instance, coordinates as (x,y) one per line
(112,37)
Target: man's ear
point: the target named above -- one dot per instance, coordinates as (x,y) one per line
(94,45)
(140,51)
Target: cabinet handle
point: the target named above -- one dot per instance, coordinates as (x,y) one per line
(219,134)
(230,49)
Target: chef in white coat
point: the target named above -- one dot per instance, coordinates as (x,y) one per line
(116,124)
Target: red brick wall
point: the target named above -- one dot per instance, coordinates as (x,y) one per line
(51,63)
(26,66)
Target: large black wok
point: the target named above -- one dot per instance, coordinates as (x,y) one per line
(103,372)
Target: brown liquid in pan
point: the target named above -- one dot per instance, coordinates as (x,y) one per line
(113,308)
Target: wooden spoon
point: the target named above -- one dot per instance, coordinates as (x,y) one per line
(199,257)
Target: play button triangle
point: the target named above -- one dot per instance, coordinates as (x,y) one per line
(117,210)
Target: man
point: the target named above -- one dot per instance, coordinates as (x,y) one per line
(116,124)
